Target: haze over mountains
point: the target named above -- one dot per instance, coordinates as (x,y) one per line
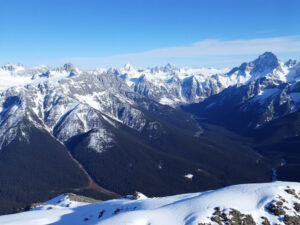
(161,130)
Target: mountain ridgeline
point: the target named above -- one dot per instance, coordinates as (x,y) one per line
(161,130)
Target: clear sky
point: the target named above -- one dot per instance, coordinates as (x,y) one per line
(96,33)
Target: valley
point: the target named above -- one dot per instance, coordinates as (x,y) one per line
(161,131)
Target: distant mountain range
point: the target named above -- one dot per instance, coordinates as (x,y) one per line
(271,90)
(161,130)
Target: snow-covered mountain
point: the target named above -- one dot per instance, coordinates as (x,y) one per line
(171,85)
(248,204)
(181,86)
(66,103)
(168,84)
(111,125)
(270,90)
(18,75)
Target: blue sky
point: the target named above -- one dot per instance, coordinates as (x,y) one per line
(95,33)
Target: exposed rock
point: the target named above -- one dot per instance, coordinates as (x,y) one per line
(234,217)
(297,207)
(276,208)
(292,192)
(291,220)
(80,198)
(265,221)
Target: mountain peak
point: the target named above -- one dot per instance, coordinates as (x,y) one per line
(12,67)
(259,67)
(268,54)
(169,67)
(264,64)
(128,66)
(69,67)
(290,63)
(267,59)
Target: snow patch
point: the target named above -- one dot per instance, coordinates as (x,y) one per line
(100,140)
(189,176)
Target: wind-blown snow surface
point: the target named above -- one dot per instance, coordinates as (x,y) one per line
(276,202)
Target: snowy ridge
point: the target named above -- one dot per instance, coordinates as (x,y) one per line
(170,85)
(18,75)
(174,86)
(67,102)
(263,90)
(66,106)
(249,204)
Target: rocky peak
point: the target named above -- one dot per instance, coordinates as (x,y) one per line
(290,63)
(259,67)
(69,67)
(266,62)
(12,67)
(168,68)
(128,67)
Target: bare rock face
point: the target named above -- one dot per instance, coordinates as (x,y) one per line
(234,217)
(292,192)
(297,206)
(265,221)
(291,220)
(276,208)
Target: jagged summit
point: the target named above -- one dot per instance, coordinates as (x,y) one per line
(260,67)
(268,56)
(265,63)
(169,67)
(68,67)
(128,67)
(168,84)
(290,63)
(13,67)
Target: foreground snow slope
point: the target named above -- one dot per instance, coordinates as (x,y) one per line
(277,202)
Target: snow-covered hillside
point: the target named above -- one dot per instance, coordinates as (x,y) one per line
(248,204)
(66,102)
